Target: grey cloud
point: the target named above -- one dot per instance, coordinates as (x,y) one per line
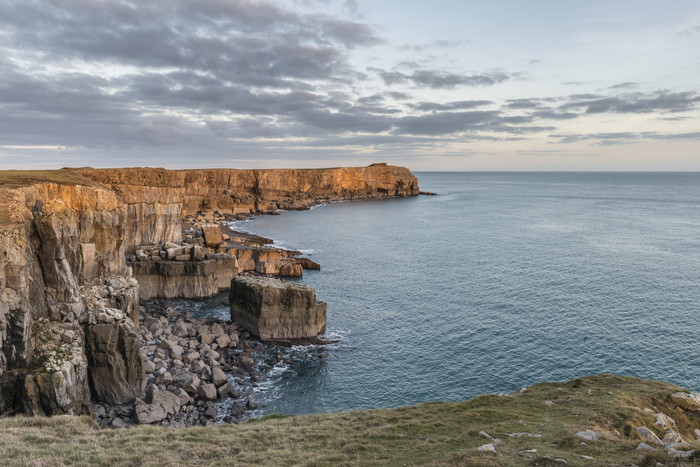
(457,105)
(625,137)
(398,96)
(554,115)
(446,122)
(554,153)
(523,103)
(221,77)
(258,43)
(374,99)
(604,139)
(635,102)
(436,44)
(625,85)
(344,122)
(694,135)
(436,79)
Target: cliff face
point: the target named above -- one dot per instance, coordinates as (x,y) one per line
(66,288)
(248,191)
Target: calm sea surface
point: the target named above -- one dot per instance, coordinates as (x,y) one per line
(502,281)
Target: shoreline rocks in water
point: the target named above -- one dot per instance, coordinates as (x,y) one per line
(191,367)
(273,309)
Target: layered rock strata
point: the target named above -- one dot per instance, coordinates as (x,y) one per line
(186,271)
(273,309)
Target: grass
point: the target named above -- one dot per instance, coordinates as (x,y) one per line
(444,433)
(17,178)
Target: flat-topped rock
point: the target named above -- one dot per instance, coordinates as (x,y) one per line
(274,309)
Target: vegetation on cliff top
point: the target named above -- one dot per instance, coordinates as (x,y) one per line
(445,433)
(16,178)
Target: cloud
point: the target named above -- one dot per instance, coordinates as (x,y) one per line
(457,105)
(635,102)
(606,139)
(625,85)
(602,138)
(436,44)
(523,103)
(437,79)
(256,78)
(446,122)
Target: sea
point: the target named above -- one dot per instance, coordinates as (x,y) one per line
(501,281)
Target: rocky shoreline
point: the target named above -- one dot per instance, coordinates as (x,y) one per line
(199,371)
(83,250)
(192,365)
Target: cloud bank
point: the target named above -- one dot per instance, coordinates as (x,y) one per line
(259,79)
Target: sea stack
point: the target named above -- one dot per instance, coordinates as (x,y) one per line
(273,309)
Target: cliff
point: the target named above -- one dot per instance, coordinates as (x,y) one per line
(250,191)
(67,295)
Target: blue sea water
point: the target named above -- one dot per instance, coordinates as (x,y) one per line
(501,281)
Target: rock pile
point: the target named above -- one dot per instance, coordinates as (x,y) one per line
(170,252)
(191,366)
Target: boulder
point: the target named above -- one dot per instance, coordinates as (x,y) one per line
(665,422)
(223,341)
(226,390)
(592,435)
(687,401)
(647,435)
(274,309)
(207,339)
(218,377)
(207,391)
(163,403)
(191,357)
(282,267)
(306,263)
(671,437)
(212,235)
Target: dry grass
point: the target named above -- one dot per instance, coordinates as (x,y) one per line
(427,434)
(16,178)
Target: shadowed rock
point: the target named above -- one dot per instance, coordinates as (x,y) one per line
(116,366)
(274,309)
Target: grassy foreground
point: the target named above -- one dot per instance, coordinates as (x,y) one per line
(434,433)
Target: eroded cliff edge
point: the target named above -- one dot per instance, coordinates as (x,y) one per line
(68,299)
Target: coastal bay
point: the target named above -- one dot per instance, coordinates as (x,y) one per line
(501,281)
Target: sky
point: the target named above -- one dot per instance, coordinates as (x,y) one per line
(430,85)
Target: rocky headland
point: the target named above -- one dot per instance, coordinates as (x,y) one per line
(81,250)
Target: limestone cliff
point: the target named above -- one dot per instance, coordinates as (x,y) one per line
(66,287)
(249,191)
